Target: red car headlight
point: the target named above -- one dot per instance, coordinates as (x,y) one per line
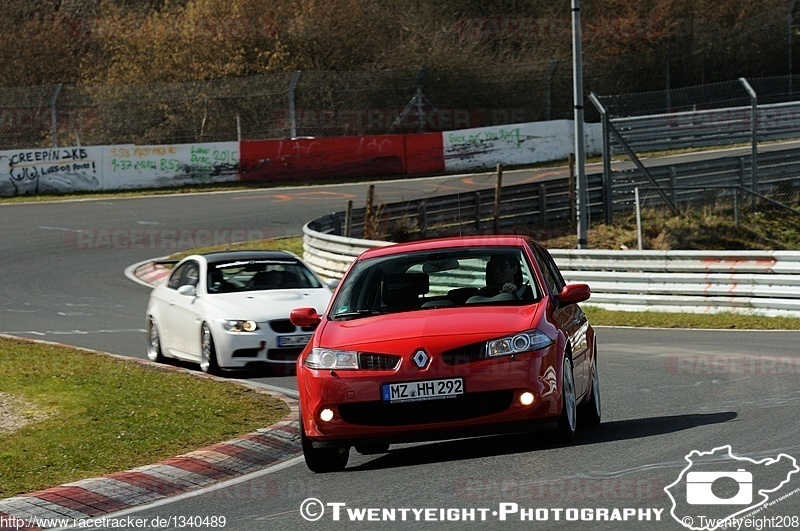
(325,358)
(518,343)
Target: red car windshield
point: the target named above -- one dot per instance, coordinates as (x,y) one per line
(425,280)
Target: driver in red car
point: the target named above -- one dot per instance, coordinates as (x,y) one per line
(503,275)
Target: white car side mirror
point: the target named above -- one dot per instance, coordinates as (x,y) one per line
(188,290)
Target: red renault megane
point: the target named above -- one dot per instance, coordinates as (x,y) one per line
(441,339)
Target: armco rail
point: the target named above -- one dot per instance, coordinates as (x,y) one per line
(750,282)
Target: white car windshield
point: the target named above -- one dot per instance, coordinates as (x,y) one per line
(424,280)
(259,275)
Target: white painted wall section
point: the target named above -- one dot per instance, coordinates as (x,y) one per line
(515,144)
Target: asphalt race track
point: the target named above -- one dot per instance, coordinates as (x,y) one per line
(665,393)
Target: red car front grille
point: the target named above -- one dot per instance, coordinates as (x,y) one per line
(378,362)
(464,407)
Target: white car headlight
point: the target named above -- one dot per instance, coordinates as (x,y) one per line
(237,325)
(324,358)
(518,343)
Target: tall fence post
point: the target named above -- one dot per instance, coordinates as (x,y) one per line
(54,114)
(292,117)
(754,126)
(549,95)
(608,197)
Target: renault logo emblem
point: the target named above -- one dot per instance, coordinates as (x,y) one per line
(421,358)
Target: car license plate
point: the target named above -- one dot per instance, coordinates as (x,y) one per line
(293,341)
(422,390)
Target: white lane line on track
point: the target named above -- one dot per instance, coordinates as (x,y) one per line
(73,332)
(166,501)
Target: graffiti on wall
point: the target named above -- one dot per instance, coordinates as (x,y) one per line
(56,170)
(170,165)
(513,145)
(81,169)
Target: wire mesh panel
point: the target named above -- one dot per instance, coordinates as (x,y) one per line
(25,117)
(742,133)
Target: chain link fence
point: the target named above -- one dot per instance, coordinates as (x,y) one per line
(286,105)
(742,137)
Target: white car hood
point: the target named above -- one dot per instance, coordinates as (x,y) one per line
(261,306)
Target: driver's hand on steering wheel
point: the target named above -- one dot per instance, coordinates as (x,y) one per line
(509,287)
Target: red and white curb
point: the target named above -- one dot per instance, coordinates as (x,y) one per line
(148,273)
(91,498)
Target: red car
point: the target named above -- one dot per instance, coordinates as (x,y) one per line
(445,338)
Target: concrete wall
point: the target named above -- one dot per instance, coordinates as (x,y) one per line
(97,168)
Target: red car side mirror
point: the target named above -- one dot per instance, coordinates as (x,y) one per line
(305,317)
(574,293)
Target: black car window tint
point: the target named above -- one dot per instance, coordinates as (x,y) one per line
(554,271)
(176,276)
(552,284)
(191,275)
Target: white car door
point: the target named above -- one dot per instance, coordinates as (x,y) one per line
(181,316)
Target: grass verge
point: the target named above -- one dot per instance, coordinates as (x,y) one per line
(99,414)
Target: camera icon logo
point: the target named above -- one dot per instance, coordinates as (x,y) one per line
(700,488)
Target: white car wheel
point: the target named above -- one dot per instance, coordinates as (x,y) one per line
(208,354)
(153,342)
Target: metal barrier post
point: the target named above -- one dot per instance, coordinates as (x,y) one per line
(638,217)
(348,219)
(498,189)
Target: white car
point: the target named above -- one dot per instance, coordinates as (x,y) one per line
(230,310)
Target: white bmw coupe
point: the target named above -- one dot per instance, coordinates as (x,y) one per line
(230,310)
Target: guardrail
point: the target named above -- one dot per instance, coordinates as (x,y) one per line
(330,255)
(750,282)
(706,128)
(756,282)
(777,175)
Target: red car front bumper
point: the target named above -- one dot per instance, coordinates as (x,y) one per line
(491,402)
